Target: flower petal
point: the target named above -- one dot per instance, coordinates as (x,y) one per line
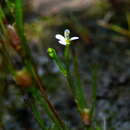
(62,42)
(59,37)
(74,38)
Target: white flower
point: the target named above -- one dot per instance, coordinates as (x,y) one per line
(64,40)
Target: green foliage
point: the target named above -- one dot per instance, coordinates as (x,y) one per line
(74,81)
(37,90)
(41,101)
(25,53)
(31,66)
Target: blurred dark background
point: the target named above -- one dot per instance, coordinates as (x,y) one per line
(99,43)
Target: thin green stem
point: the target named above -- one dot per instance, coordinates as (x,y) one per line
(94,96)
(38,98)
(79,88)
(94,89)
(75,85)
(37,115)
(28,60)
(67,63)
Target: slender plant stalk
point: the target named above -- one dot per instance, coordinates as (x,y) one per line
(94,92)
(31,103)
(94,89)
(37,115)
(39,100)
(29,62)
(79,88)
(67,63)
(11,69)
(75,85)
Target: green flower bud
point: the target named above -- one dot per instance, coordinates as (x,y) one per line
(66,34)
(51,52)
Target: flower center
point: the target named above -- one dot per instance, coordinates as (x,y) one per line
(67,41)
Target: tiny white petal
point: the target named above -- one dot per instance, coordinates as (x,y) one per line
(62,42)
(60,37)
(74,38)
